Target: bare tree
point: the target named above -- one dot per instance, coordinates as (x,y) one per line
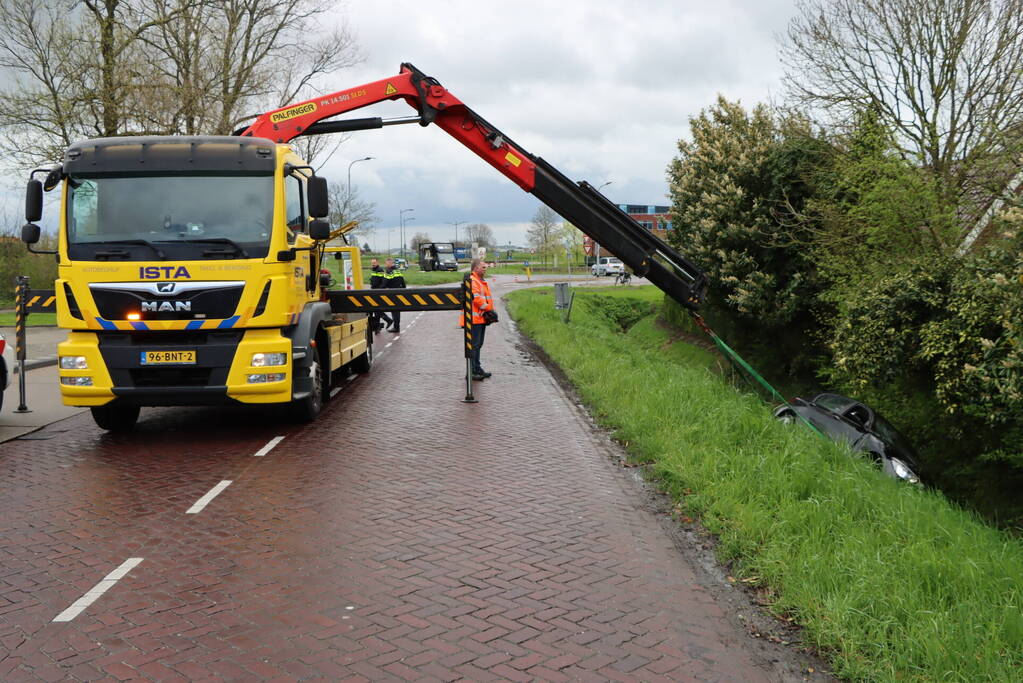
(228,59)
(481,234)
(347,206)
(542,234)
(418,239)
(74,71)
(93,68)
(945,74)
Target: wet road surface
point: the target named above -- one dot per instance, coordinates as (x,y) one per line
(405,535)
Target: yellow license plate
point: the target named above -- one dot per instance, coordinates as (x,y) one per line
(168,357)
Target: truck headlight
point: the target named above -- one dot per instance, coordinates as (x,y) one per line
(76,381)
(73,363)
(260,360)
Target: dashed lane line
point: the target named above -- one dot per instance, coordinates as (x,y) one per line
(210,495)
(79,605)
(268,447)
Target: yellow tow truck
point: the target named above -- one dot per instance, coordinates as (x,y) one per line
(189,274)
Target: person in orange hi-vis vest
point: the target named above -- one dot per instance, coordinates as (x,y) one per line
(483,314)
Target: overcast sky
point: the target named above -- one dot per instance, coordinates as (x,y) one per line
(602,89)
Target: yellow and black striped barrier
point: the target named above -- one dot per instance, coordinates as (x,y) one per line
(41,301)
(467,330)
(398,299)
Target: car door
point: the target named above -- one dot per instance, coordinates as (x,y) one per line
(856,420)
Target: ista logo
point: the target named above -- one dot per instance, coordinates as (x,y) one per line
(162,272)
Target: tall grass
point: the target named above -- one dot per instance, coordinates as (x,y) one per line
(889,581)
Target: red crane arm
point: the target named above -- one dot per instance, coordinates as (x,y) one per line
(434,103)
(579,203)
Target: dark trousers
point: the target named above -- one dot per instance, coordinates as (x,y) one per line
(479,331)
(395,319)
(378,316)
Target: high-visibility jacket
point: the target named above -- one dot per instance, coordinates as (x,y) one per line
(482,300)
(376,277)
(393,279)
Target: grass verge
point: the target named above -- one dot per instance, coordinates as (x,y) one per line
(34,319)
(889,582)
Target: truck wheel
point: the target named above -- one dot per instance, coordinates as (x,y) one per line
(306,409)
(115,417)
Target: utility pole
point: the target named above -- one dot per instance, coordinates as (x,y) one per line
(456,224)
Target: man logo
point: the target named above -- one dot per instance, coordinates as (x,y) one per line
(165,287)
(167,306)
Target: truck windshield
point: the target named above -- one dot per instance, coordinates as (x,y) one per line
(169,217)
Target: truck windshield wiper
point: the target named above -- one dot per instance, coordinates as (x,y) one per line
(218,240)
(145,243)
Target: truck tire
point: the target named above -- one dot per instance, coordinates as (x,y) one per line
(308,408)
(115,417)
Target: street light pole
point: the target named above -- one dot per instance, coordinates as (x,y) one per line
(401,222)
(348,198)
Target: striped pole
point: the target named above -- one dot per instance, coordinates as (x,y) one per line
(20,316)
(467,329)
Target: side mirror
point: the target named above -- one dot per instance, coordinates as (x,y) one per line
(33,201)
(316,190)
(53,178)
(319,229)
(30,233)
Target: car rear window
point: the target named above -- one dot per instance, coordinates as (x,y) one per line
(833,402)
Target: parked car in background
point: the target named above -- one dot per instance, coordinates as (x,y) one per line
(607,266)
(6,367)
(845,419)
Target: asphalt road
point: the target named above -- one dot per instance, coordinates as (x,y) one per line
(405,535)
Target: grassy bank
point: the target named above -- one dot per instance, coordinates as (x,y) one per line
(34,319)
(890,582)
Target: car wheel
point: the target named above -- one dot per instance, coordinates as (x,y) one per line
(787,417)
(115,417)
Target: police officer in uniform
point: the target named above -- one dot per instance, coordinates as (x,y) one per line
(376,281)
(393,279)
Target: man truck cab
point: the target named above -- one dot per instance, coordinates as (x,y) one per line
(188,274)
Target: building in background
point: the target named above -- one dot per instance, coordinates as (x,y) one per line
(653,217)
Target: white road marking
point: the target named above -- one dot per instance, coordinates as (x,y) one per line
(388,345)
(351,378)
(79,605)
(205,500)
(268,447)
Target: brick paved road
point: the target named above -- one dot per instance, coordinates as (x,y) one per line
(405,535)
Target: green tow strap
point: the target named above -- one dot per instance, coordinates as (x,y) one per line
(736,359)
